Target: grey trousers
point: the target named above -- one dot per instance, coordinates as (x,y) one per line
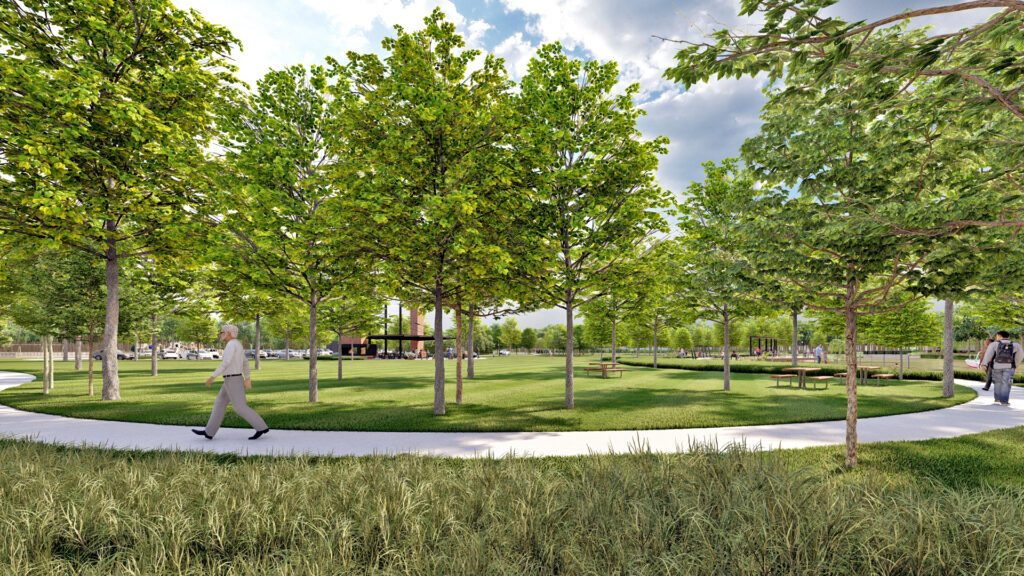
(233,392)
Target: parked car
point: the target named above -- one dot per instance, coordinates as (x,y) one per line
(145,353)
(170,355)
(504,353)
(121,355)
(202,355)
(321,352)
(251,353)
(290,353)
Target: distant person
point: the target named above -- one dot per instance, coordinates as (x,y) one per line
(235,368)
(1001,359)
(817,354)
(988,373)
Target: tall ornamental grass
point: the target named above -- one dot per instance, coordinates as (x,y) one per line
(86,511)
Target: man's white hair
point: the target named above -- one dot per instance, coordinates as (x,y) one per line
(230,329)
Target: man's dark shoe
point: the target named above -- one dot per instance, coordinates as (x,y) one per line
(258,434)
(202,432)
(985,388)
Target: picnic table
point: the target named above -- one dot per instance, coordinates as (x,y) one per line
(802,370)
(604,368)
(864,373)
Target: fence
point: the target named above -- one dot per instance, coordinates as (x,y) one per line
(34,350)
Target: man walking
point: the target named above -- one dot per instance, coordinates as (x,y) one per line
(235,368)
(1001,358)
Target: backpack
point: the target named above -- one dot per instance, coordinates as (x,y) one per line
(1004,354)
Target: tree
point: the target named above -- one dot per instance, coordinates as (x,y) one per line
(968,326)
(981,58)
(287,325)
(168,289)
(57,293)
(712,279)
(494,331)
(555,337)
(286,222)
(354,314)
(431,136)
(865,183)
(510,333)
(528,339)
(105,127)
(703,338)
(682,339)
(198,328)
(239,303)
(593,179)
(912,324)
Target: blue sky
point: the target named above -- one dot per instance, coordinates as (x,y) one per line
(707,122)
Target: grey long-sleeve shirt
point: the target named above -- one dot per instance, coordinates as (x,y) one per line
(990,352)
(234,361)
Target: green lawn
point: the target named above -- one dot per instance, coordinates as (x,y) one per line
(513,393)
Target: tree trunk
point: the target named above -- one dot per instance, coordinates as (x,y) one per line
(153,370)
(570,400)
(725,349)
(901,364)
(947,349)
(78,353)
(49,349)
(339,353)
(64,347)
(136,347)
(850,316)
(111,384)
(314,350)
(655,340)
(471,346)
(458,354)
(259,344)
(47,352)
(287,343)
(796,339)
(92,340)
(438,351)
(614,323)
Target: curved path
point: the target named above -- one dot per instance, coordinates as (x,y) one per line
(978,415)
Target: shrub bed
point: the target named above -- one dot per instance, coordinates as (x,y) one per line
(741,367)
(86,511)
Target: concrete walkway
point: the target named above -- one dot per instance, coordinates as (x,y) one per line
(978,415)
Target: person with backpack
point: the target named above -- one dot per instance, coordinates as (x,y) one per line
(1001,359)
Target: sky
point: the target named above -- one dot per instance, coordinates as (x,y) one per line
(707,122)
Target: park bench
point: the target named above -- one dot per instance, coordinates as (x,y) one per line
(604,371)
(780,377)
(879,377)
(823,379)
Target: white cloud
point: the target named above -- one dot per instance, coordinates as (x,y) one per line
(707,122)
(475,33)
(625,32)
(352,19)
(517,53)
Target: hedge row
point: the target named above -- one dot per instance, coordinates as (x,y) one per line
(740,367)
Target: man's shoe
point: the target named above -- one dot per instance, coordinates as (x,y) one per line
(985,388)
(1005,403)
(258,434)
(202,432)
